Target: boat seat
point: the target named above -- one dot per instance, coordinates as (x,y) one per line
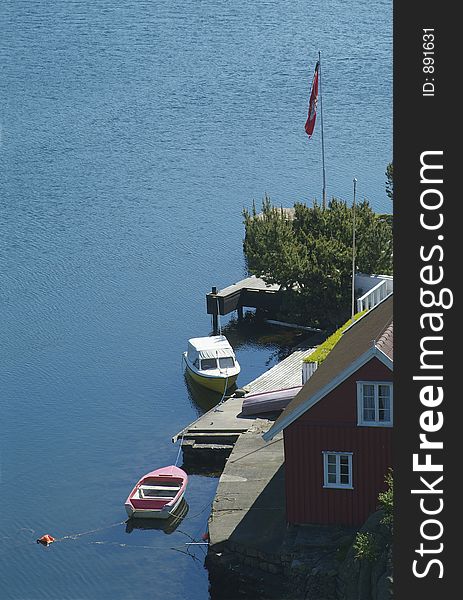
(153,492)
(150,497)
(173,488)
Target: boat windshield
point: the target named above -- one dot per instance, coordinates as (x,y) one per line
(208,363)
(226,363)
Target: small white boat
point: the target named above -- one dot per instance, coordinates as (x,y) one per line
(272,401)
(211,362)
(157,494)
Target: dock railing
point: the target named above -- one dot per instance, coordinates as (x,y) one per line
(374,296)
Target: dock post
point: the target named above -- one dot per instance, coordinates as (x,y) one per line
(215,314)
(239,310)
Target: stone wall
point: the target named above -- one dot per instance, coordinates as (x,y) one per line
(238,572)
(306,568)
(316,563)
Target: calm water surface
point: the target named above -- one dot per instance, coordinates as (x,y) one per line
(132,134)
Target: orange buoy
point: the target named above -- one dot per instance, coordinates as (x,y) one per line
(46,540)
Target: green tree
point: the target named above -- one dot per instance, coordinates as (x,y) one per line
(309,253)
(390,181)
(269,245)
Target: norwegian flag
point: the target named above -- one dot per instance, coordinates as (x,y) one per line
(310,123)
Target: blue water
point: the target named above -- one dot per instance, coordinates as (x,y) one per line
(132,134)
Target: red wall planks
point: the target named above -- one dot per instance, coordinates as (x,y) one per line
(331,424)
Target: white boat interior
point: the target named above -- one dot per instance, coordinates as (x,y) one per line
(163,492)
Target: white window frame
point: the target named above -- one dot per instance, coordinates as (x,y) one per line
(338,484)
(376,423)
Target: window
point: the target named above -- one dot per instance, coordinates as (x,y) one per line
(208,363)
(226,363)
(374,403)
(337,469)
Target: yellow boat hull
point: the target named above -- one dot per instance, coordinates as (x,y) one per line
(217,384)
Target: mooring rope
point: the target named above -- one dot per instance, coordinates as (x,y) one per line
(216,408)
(179,449)
(74,536)
(188,517)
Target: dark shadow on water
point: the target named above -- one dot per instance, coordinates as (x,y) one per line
(168,526)
(201,397)
(203,470)
(254,332)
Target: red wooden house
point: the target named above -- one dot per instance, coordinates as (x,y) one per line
(337,430)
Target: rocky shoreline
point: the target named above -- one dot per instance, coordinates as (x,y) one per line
(314,563)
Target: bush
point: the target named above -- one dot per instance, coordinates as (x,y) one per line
(386,500)
(365,546)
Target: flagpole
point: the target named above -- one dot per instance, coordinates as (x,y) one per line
(323,142)
(353,253)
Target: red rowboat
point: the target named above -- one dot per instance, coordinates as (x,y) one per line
(157,494)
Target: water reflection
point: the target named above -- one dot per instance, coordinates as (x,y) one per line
(255,332)
(168,526)
(201,397)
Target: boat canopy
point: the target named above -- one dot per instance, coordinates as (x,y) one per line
(216,346)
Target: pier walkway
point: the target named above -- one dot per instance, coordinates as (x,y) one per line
(210,439)
(249,506)
(251,292)
(249,538)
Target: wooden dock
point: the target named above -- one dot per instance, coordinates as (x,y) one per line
(251,292)
(287,373)
(209,440)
